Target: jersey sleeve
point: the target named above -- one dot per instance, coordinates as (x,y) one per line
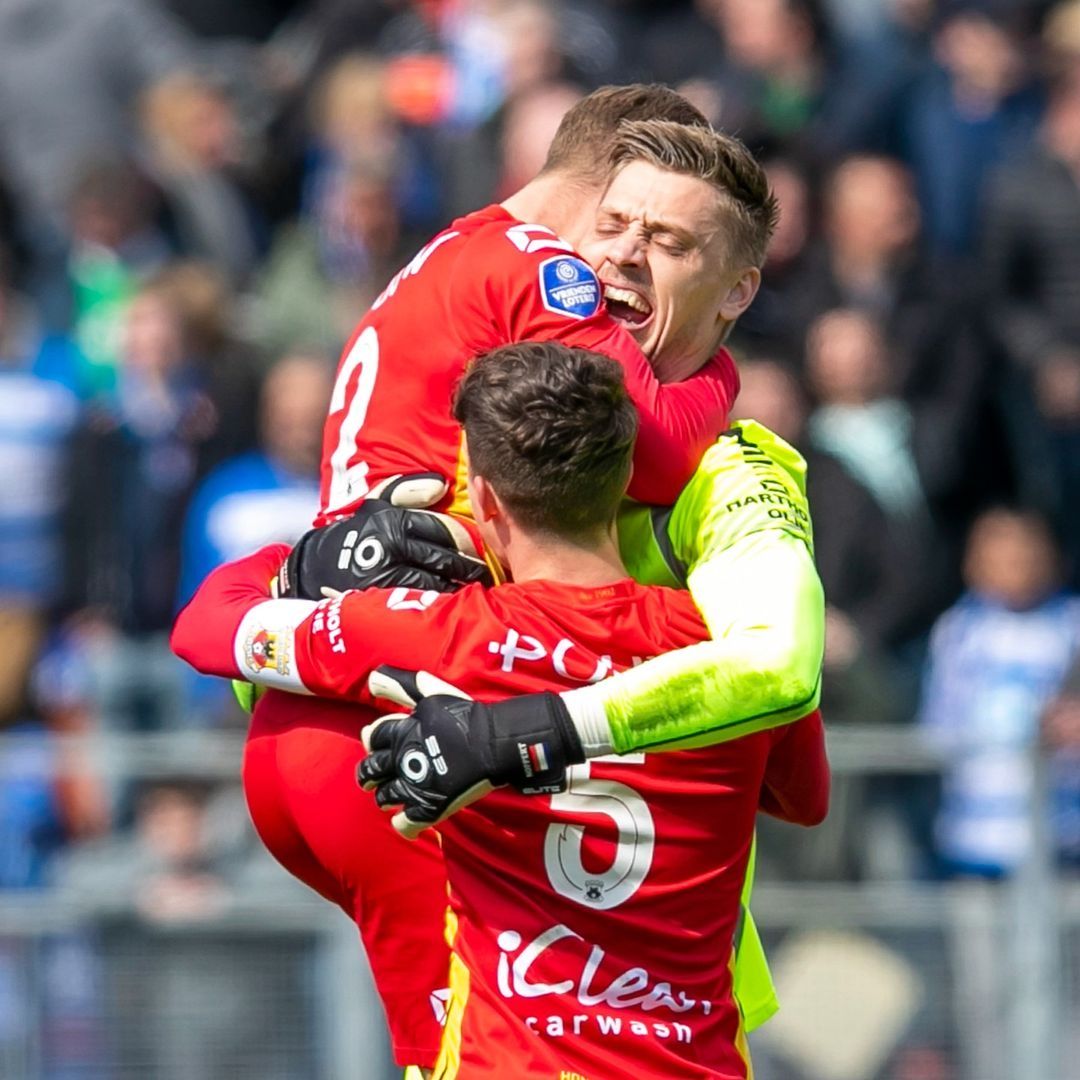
(796,784)
(535,288)
(740,537)
(208,627)
(233,629)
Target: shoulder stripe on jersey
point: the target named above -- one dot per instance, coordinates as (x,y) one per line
(460,507)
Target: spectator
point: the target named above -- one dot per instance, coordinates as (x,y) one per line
(135,468)
(50,794)
(768,69)
(31,822)
(38,417)
(68,73)
(167,864)
(778,317)
(269,495)
(226,367)
(1061,735)
(192,152)
(323,274)
(865,585)
(354,119)
(874,259)
(528,126)
(115,244)
(860,421)
(975,107)
(997,658)
(1031,240)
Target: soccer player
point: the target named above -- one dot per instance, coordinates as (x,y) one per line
(300,756)
(509,272)
(573,915)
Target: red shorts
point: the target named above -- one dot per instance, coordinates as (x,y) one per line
(299,778)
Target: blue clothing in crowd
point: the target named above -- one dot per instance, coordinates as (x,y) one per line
(37,419)
(992,672)
(30,827)
(952,154)
(242,505)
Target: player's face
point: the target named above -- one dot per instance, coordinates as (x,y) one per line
(659,250)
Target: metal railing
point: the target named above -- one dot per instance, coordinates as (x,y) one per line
(981,978)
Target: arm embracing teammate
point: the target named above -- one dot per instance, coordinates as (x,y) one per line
(741,526)
(739,536)
(570,914)
(672,281)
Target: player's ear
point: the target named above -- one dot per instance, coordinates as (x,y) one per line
(740,294)
(485,503)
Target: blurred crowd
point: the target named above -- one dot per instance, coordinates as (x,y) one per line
(199,200)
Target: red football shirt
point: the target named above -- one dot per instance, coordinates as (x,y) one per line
(593,928)
(486,281)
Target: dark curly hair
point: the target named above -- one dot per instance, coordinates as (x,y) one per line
(552,430)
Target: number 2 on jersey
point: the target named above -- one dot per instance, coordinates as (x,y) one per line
(628,810)
(348,482)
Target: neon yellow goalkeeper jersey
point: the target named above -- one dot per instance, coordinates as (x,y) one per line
(739,537)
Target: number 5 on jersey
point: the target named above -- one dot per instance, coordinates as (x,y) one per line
(636,838)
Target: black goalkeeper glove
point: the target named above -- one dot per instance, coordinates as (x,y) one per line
(386,543)
(451,751)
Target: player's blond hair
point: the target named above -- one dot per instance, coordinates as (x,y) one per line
(721,160)
(585,136)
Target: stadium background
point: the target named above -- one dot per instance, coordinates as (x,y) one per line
(197,201)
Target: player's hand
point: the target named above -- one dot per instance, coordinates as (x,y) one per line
(387,542)
(450,751)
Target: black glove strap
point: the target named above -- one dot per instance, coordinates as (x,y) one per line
(532,740)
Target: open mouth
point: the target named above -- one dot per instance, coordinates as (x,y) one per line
(627,307)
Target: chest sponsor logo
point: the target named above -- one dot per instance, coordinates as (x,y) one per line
(634,988)
(569,287)
(565,658)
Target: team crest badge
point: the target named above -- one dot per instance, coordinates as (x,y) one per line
(264,650)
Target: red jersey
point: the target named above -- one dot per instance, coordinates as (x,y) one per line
(593,928)
(489,280)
